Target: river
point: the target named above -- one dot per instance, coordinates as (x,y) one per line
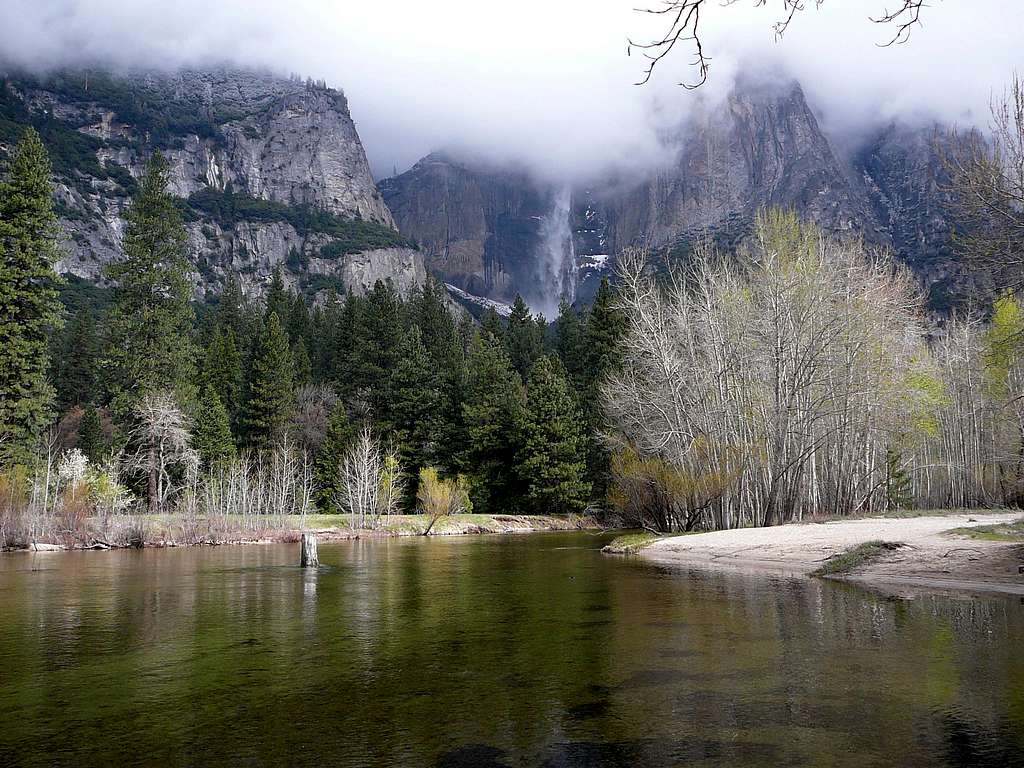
(485,651)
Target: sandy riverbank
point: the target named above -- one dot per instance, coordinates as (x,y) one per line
(931,558)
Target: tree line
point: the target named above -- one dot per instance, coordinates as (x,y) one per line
(376,404)
(801,375)
(797,376)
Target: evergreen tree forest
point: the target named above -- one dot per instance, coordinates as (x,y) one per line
(158,393)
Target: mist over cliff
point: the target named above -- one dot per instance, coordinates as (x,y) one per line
(547,85)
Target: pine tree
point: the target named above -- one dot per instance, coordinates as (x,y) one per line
(491,406)
(325,324)
(605,328)
(340,434)
(269,395)
(74,369)
(28,296)
(436,323)
(278,300)
(374,347)
(606,325)
(898,485)
(211,435)
(223,371)
(90,436)
(414,409)
(551,458)
(234,312)
(300,323)
(346,336)
(301,364)
(490,322)
(150,324)
(524,338)
(443,341)
(570,341)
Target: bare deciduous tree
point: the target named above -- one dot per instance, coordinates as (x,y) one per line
(313,406)
(160,448)
(685,25)
(987,179)
(775,381)
(370,481)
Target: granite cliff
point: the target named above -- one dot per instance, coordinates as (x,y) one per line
(270,172)
(482,227)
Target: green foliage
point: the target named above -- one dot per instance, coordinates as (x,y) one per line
(605,328)
(444,345)
(439,497)
(347,235)
(150,323)
(91,441)
(153,108)
(211,434)
(277,300)
(524,337)
(589,346)
(370,348)
(302,366)
(550,461)
(1003,341)
(28,296)
(340,434)
(490,322)
(927,394)
(270,395)
(313,284)
(74,365)
(570,341)
(78,294)
(491,410)
(73,153)
(1006,532)
(898,487)
(222,370)
(414,412)
(234,312)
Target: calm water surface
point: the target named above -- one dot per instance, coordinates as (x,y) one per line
(489,651)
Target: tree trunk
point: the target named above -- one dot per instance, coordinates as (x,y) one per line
(308,558)
(152,489)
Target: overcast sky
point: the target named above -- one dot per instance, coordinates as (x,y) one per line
(546,82)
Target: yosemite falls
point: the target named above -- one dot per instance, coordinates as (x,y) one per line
(556,257)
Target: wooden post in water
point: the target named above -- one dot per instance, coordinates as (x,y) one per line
(308,558)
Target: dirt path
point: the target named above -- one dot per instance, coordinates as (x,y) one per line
(932,558)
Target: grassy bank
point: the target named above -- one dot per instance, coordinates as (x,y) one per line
(1007,532)
(633,541)
(138,531)
(856,557)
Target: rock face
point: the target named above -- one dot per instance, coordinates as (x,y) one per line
(494,232)
(475,224)
(762,147)
(289,143)
(907,185)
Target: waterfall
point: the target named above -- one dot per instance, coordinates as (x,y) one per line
(556,260)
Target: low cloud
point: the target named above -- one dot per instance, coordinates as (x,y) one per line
(546,84)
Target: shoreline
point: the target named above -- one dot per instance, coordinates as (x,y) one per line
(166,531)
(932,557)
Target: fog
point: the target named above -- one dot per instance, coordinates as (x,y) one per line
(546,84)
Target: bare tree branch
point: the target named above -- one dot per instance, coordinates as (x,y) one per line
(685,26)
